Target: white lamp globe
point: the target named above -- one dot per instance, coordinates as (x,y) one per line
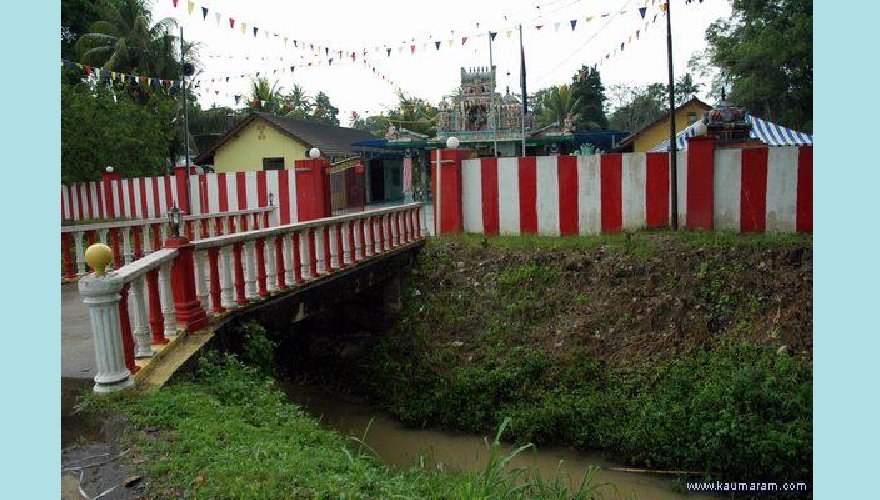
(452,142)
(700,129)
(109,169)
(314,153)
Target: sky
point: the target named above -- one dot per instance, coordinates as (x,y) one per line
(553,53)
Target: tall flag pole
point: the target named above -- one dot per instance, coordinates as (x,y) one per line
(673,173)
(522,82)
(492,110)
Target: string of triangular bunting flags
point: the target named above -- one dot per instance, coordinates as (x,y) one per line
(121,77)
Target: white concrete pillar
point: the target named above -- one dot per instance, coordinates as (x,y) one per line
(319,251)
(80,253)
(305,258)
(271,278)
(203,286)
(101,296)
(334,246)
(140,319)
(250,271)
(226,280)
(346,243)
(146,241)
(358,244)
(167,300)
(287,248)
(395,233)
(368,241)
(127,253)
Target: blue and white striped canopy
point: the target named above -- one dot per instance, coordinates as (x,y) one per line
(768,133)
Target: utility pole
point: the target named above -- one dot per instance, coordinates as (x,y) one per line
(522,77)
(673,170)
(185,118)
(493,110)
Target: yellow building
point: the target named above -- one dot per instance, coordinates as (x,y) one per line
(657,132)
(266,142)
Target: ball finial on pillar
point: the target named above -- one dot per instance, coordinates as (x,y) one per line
(314,153)
(98,256)
(452,142)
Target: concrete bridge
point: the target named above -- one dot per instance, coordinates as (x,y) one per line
(151,314)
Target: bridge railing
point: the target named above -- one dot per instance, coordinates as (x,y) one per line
(236,269)
(183,285)
(133,239)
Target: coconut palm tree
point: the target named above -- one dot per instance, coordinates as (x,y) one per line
(265,96)
(126,40)
(557,103)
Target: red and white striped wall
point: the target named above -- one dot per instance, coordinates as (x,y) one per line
(768,189)
(151,197)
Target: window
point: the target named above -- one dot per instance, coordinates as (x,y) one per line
(276,163)
(692,117)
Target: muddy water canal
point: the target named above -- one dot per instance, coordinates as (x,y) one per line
(399,446)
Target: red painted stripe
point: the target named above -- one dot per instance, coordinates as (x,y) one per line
(79,202)
(156,208)
(568,195)
(241,190)
(99,189)
(262,189)
(88,186)
(657,190)
(222,192)
(805,189)
(284,195)
(611,182)
(119,209)
(700,183)
(203,193)
(145,211)
(63,216)
(528,196)
(169,194)
(70,214)
(133,207)
(489,183)
(753,190)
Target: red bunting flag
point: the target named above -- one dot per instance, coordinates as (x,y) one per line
(231,22)
(174,2)
(412,49)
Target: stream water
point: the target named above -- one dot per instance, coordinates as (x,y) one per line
(399,447)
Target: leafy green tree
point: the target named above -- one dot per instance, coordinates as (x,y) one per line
(101,126)
(376,125)
(587,88)
(765,51)
(126,39)
(413,113)
(638,106)
(297,104)
(76,17)
(556,104)
(324,111)
(685,88)
(265,96)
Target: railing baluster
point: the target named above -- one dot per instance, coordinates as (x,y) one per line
(200,278)
(157,323)
(240,298)
(316,252)
(80,253)
(145,237)
(280,276)
(260,250)
(141,319)
(333,230)
(214,276)
(125,330)
(227,282)
(291,257)
(328,266)
(348,250)
(396,228)
(167,298)
(250,280)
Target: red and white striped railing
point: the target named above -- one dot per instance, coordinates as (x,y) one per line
(235,269)
(184,284)
(133,239)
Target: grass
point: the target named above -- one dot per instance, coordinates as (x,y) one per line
(229,433)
